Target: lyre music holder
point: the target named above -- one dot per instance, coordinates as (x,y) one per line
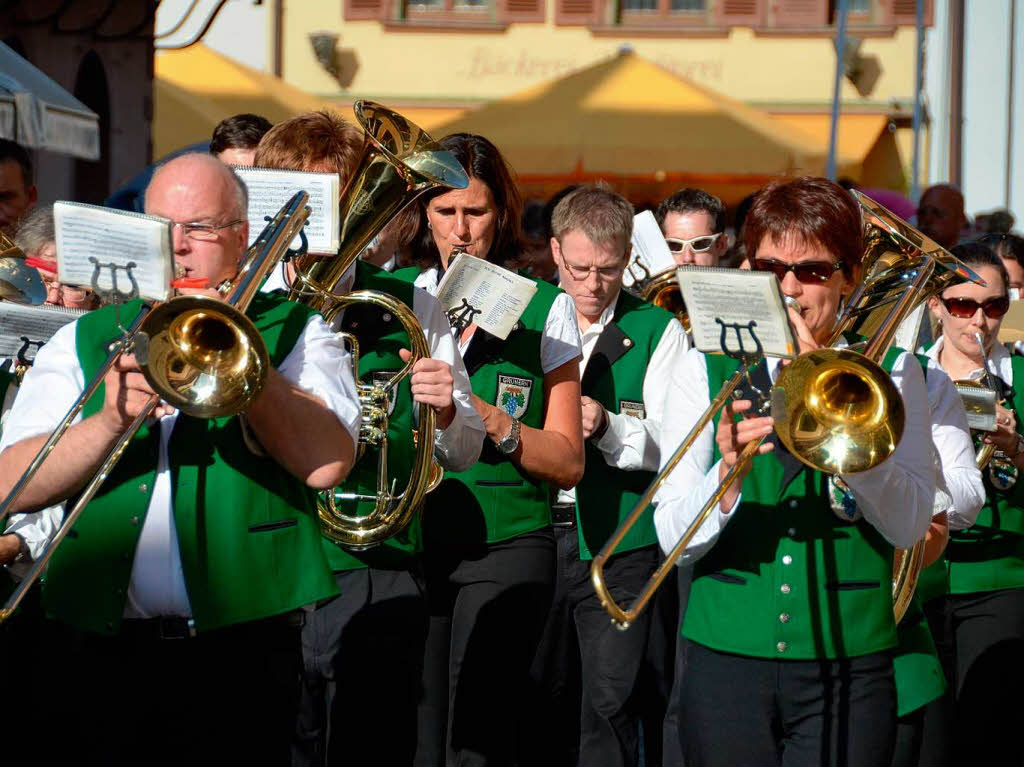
(747,359)
(461,317)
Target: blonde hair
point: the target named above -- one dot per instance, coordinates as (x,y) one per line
(603,215)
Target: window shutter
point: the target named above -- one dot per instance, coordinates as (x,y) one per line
(800,13)
(575,11)
(365,9)
(522,10)
(740,13)
(905,11)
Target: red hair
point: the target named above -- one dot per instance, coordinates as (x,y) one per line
(810,211)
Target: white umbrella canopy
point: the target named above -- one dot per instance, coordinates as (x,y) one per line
(37,113)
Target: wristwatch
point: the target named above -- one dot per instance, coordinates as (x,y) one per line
(510,441)
(1018,448)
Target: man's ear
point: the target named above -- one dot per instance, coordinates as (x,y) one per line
(33,197)
(556,251)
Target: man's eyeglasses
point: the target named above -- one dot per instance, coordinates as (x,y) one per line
(581,273)
(700,244)
(807,272)
(964,308)
(203,232)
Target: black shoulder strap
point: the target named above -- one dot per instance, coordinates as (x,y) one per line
(611,345)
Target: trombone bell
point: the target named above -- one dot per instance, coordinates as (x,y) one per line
(202,356)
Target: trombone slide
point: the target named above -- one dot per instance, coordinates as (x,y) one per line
(623,617)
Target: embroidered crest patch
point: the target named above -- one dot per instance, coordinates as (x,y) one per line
(380,378)
(630,407)
(513,394)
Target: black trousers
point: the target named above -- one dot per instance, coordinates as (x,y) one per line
(672,753)
(362,670)
(224,697)
(599,683)
(765,713)
(487,610)
(981,643)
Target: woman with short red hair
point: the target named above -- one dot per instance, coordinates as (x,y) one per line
(789,624)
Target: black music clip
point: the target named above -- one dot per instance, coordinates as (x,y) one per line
(26,344)
(749,390)
(299,252)
(115,295)
(461,317)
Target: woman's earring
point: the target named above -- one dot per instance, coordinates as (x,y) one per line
(429,226)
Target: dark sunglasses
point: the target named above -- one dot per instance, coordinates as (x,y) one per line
(806,272)
(964,308)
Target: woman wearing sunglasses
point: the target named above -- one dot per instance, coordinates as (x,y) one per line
(789,624)
(978,617)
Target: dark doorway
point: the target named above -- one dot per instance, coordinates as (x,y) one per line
(92,178)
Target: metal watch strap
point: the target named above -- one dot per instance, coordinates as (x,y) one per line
(508,444)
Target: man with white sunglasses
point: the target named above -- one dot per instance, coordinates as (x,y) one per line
(693,222)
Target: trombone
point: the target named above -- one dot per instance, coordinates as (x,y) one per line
(836,410)
(200,354)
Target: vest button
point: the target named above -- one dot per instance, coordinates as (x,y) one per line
(781,647)
(143,488)
(791,532)
(793,503)
(785,588)
(386,317)
(627,342)
(783,617)
(787,560)
(135,520)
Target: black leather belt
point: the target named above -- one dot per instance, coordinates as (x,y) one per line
(563,515)
(173,627)
(167,627)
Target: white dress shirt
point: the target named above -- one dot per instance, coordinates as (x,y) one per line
(560,341)
(959,474)
(631,443)
(318,363)
(896,496)
(458,446)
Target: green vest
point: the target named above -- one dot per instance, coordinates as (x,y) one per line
(406,273)
(988,556)
(615,378)
(380,337)
(247,530)
(788,578)
(494,499)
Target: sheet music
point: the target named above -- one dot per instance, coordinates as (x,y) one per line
(270,189)
(90,238)
(25,329)
(477,291)
(650,256)
(736,296)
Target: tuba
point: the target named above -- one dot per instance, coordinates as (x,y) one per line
(399,162)
(836,410)
(202,355)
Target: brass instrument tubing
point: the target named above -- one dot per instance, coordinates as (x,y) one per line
(44,452)
(623,618)
(72,516)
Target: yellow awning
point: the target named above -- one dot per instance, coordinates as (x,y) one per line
(627,116)
(195,88)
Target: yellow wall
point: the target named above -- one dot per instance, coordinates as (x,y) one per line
(469,66)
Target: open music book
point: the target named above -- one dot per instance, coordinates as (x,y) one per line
(745,303)
(269,189)
(113,251)
(476,291)
(24,329)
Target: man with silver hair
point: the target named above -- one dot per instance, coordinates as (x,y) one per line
(205,532)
